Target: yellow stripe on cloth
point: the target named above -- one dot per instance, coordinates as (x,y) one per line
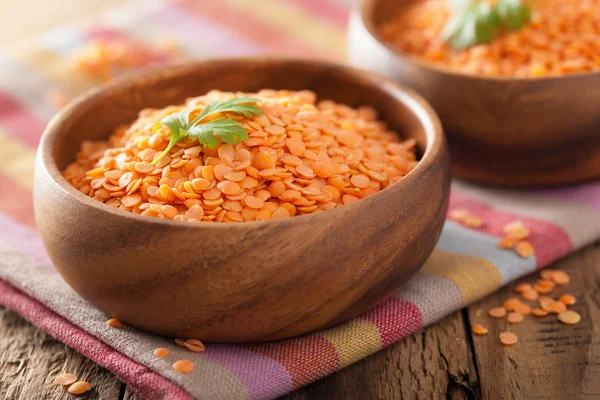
(57,69)
(297,22)
(18,160)
(474,277)
(353,340)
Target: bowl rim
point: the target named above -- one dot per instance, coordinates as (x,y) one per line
(413,102)
(364,9)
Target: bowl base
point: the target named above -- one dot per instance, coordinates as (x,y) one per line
(571,164)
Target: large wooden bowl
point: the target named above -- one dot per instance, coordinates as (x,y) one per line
(519,131)
(251,281)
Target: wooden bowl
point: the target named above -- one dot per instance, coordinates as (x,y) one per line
(251,281)
(518,131)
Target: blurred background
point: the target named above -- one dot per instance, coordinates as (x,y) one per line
(20,19)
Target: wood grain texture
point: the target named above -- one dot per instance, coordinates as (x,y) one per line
(30,359)
(129,394)
(551,360)
(512,131)
(434,363)
(251,281)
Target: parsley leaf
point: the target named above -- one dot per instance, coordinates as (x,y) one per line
(211,133)
(476,21)
(225,129)
(513,14)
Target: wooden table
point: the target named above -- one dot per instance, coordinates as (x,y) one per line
(551,361)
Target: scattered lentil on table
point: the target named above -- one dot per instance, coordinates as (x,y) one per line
(301,157)
(515,310)
(79,387)
(479,329)
(569,317)
(508,338)
(65,379)
(563,37)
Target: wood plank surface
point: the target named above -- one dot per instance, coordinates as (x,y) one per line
(30,359)
(436,362)
(551,360)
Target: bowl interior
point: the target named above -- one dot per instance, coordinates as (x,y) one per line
(97,114)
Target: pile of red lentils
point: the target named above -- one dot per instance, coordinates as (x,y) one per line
(103,59)
(301,157)
(515,309)
(563,37)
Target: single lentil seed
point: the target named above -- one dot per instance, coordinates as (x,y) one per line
(183,366)
(511,304)
(65,379)
(114,323)
(569,317)
(161,352)
(525,249)
(497,312)
(508,338)
(514,318)
(561,278)
(557,307)
(479,329)
(79,387)
(194,345)
(523,309)
(530,295)
(523,287)
(539,312)
(567,299)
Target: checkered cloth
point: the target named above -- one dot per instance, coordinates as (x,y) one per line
(465,266)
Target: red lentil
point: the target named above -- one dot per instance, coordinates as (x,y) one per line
(79,387)
(522,287)
(560,278)
(183,366)
(567,299)
(497,312)
(539,312)
(515,318)
(562,38)
(114,323)
(302,157)
(194,345)
(511,304)
(65,379)
(161,352)
(508,338)
(479,329)
(569,317)
(525,249)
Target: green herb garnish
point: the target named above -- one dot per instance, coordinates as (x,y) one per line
(210,133)
(476,21)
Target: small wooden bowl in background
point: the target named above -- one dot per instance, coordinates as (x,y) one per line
(251,281)
(515,131)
